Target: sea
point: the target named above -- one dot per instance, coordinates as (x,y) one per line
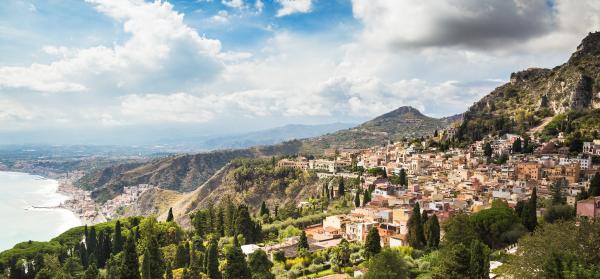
(20,221)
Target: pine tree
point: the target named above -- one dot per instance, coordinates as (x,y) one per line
(433,232)
(212,261)
(416,237)
(487,150)
(341,188)
(303,242)
(170,217)
(117,238)
(235,266)
(357,199)
(557,197)
(372,243)
(130,265)
(479,267)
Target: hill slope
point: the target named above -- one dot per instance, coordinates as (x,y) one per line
(534,96)
(404,122)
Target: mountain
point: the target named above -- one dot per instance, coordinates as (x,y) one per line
(186,172)
(543,102)
(272,136)
(404,122)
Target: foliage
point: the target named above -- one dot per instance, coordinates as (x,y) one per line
(387,264)
(372,243)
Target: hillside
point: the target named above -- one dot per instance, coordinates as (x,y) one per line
(536,97)
(250,182)
(404,122)
(180,173)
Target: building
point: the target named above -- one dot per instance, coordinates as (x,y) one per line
(592,148)
(589,208)
(529,171)
(295,164)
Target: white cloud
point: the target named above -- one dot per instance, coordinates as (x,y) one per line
(259,5)
(221,17)
(289,7)
(161,49)
(178,107)
(237,4)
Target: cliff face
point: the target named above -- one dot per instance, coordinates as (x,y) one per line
(535,94)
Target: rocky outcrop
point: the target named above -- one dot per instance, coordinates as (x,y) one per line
(581,96)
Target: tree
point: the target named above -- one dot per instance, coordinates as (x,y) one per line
(212,260)
(594,189)
(455,263)
(372,243)
(303,242)
(480,261)
(487,150)
(459,229)
(558,212)
(340,255)
(416,237)
(341,188)
(517,146)
(246,227)
(235,266)
(403,178)
(91,272)
(357,199)
(264,210)
(117,238)
(432,227)
(260,265)
(529,216)
(557,197)
(170,217)
(91,242)
(152,264)
(130,265)
(389,264)
(182,256)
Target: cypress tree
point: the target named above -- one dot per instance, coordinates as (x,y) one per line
(416,237)
(372,243)
(152,265)
(182,256)
(357,199)
(91,242)
(170,217)
(479,267)
(245,226)
(212,261)
(220,231)
(117,238)
(195,263)
(264,210)
(366,197)
(130,266)
(303,242)
(403,178)
(594,189)
(433,232)
(529,216)
(516,147)
(331,195)
(341,188)
(235,266)
(260,265)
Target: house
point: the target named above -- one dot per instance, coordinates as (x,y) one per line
(589,208)
(592,148)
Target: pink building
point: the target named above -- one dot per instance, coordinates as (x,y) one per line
(589,208)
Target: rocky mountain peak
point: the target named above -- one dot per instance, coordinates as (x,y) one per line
(589,46)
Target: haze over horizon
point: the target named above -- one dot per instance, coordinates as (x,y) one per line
(106,71)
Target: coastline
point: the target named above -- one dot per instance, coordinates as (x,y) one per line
(33,211)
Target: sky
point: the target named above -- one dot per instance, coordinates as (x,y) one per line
(134,71)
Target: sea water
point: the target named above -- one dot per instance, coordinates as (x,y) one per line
(20,221)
